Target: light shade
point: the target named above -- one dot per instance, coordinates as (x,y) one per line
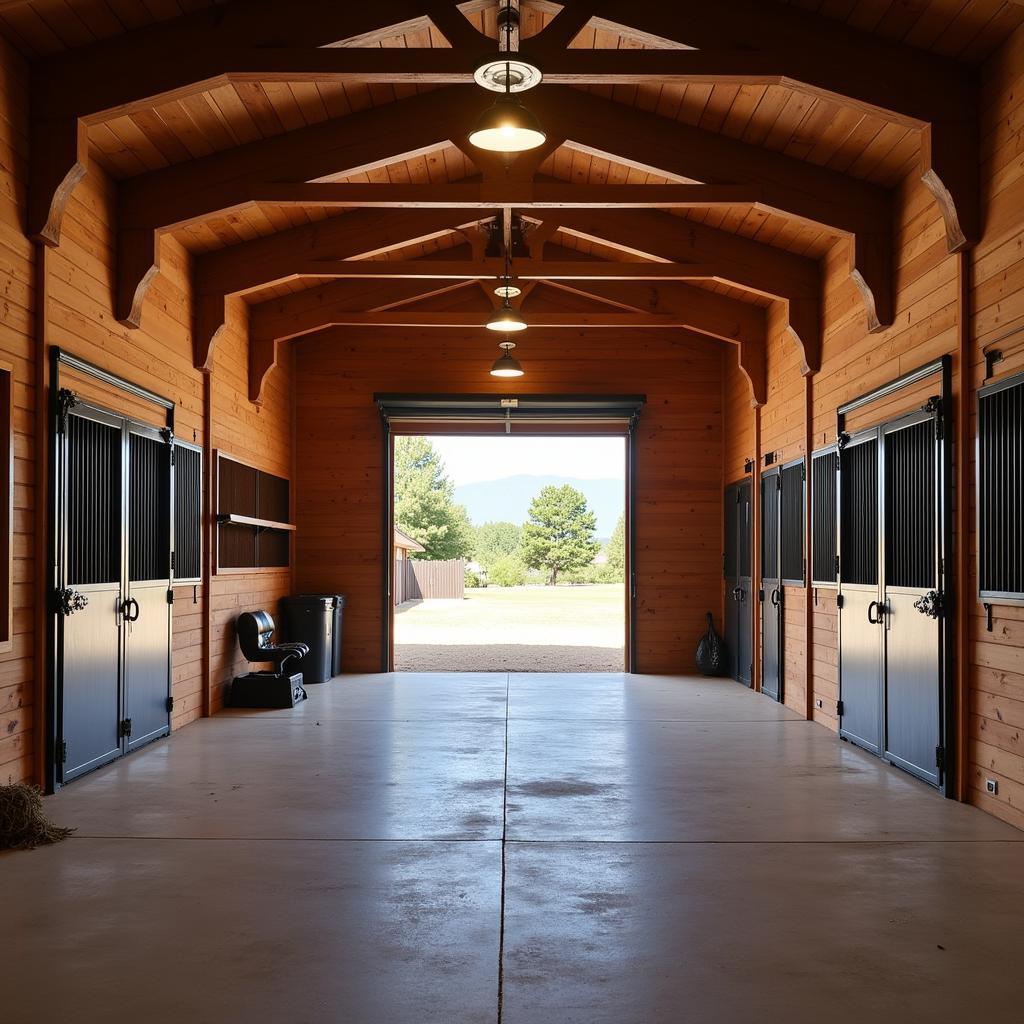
(506,365)
(507,127)
(506,320)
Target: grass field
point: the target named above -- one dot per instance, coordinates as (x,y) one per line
(517,629)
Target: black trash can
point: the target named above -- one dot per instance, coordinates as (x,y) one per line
(309,619)
(338,603)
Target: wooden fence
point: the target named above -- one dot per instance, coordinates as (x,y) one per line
(416,581)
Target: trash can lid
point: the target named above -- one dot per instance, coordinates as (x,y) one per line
(340,598)
(311,599)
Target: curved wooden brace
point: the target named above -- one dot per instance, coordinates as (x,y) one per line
(262,360)
(753,364)
(59,162)
(210,320)
(804,327)
(872,272)
(950,171)
(138,263)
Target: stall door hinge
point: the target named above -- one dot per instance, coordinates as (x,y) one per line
(125,728)
(170,596)
(61,752)
(840,708)
(170,704)
(940,758)
(839,600)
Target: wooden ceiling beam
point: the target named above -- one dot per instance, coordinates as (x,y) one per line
(579,269)
(744,263)
(262,262)
(790,187)
(502,194)
(666,305)
(185,193)
(935,94)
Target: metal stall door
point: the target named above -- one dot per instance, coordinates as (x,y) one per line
(912,603)
(738,603)
(771,584)
(860,608)
(147,608)
(88,599)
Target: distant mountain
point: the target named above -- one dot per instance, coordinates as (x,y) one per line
(508,499)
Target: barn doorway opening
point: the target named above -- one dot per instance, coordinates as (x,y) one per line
(510,548)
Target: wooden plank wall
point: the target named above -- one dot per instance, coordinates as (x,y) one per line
(927,325)
(78,317)
(16,328)
(996,708)
(679,462)
(260,436)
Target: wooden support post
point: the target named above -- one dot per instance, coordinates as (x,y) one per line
(964,519)
(755,559)
(808,537)
(209,540)
(41,702)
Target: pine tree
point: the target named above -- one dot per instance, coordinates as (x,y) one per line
(559,536)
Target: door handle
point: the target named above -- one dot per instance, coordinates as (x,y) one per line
(882,608)
(737,593)
(138,610)
(776,597)
(126,609)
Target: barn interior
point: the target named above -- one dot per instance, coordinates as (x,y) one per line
(776,245)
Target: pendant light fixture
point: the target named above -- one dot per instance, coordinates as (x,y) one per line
(507,319)
(507,126)
(506,365)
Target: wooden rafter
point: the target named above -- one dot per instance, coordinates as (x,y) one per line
(498,195)
(261,262)
(198,189)
(620,305)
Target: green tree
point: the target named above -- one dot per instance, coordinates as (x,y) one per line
(559,536)
(425,506)
(507,571)
(615,570)
(494,541)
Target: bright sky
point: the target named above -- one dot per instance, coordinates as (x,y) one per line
(470,459)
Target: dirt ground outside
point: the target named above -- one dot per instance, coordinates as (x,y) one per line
(515,629)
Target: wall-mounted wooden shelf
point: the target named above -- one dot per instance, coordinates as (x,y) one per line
(252,511)
(260,524)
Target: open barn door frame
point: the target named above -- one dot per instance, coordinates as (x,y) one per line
(495,415)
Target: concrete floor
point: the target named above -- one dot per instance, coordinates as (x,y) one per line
(526,849)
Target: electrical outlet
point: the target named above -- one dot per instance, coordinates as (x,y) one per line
(819,703)
(992,786)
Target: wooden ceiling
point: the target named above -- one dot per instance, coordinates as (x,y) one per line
(851,140)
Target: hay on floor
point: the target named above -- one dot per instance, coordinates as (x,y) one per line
(23,826)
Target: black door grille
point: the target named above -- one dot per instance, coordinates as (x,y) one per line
(188,512)
(1001,489)
(743,515)
(93,502)
(732,518)
(824,466)
(792,525)
(770,526)
(910,506)
(859,497)
(149,509)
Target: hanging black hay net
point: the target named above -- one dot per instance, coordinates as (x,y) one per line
(23,826)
